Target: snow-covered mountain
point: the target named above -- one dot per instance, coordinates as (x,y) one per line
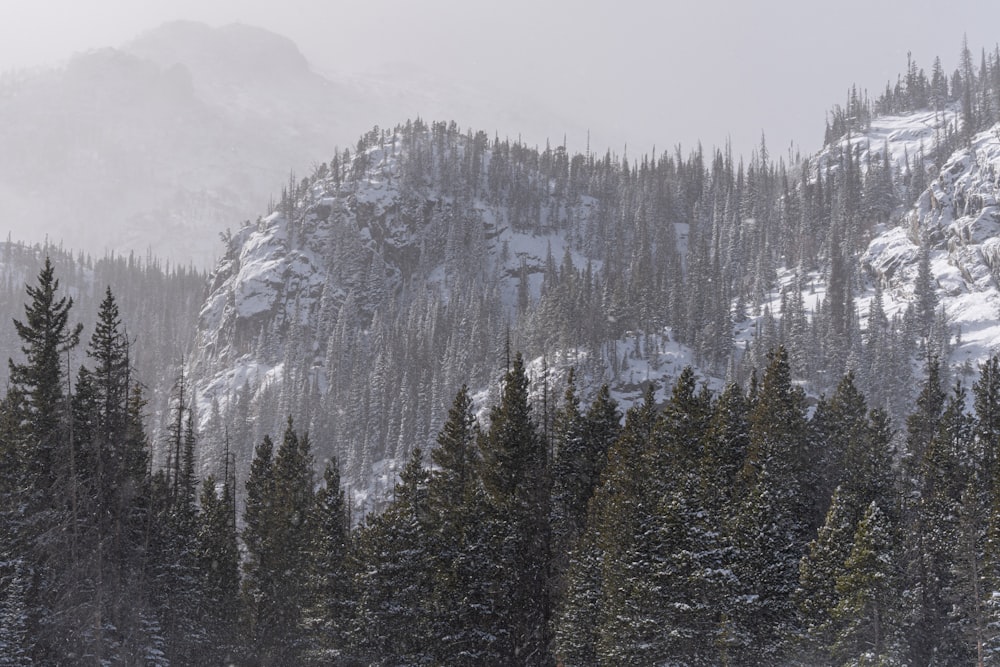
(375,280)
(393,275)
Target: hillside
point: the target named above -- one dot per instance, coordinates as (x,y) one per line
(393,275)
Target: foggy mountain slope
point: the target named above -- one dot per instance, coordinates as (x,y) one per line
(392,276)
(163,154)
(187,130)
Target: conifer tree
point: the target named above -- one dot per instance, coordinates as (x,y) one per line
(330,605)
(934,583)
(112,465)
(218,567)
(771,526)
(679,544)
(868,612)
(277,533)
(515,477)
(617,520)
(46,529)
(571,476)
(461,602)
(394,584)
(261,563)
(837,425)
(816,596)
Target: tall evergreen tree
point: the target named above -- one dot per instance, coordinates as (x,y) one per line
(771,524)
(934,584)
(515,477)
(330,605)
(617,521)
(218,567)
(868,612)
(46,526)
(394,583)
(462,605)
(277,533)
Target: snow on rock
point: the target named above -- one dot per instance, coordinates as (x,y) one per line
(958,215)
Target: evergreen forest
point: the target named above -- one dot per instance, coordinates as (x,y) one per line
(744,527)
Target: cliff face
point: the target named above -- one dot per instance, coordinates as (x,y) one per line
(957,219)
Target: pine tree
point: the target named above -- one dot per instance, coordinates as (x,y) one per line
(462,604)
(816,596)
(986,393)
(174,573)
(277,533)
(330,605)
(46,527)
(837,425)
(868,612)
(771,526)
(617,521)
(679,544)
(571,477)
(723,453)
(112,467)
(514,472)
(218,566)
(261,565)
(934,584)
(394,584)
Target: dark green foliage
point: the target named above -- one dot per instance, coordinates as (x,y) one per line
(772,524)
(935,584)
(462,599)
(515,477)
(330,605)
(277,533)
(867,615)
(45,524)
(394,580)
(219,569)
(616,520)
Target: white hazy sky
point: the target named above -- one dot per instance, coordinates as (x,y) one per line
(637,72)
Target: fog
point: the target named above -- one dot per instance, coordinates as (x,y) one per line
(628,75)
(631,71)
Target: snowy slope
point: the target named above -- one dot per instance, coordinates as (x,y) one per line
(358,253)
(959,216)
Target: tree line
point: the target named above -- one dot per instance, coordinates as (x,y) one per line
(733,528)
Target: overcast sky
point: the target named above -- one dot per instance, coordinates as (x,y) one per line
(636,72)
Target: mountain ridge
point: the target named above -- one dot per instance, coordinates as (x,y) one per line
(442,219)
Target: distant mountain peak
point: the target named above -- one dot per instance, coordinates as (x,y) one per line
(232,52)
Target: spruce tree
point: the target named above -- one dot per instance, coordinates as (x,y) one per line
(330,605)
(218,567)
(571,477)
(46,528)
(771,525)
(609,630)
(461,603)
(934,585)
(394,582)
(816,597)
(515,472)
(277,533)
(680,545)
(869,628)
